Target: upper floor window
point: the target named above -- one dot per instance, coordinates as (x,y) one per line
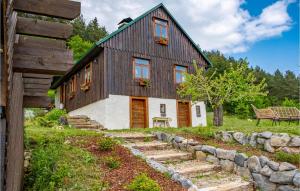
(161,30)
(141,68)
(88,74)
(179,74)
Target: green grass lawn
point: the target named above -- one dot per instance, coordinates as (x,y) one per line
(57,165)
(232,123)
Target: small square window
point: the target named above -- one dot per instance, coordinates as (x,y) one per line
(179,74)
(141,68)
(163,110)
(198,111)
(161,31)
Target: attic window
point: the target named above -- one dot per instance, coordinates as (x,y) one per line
(161,31)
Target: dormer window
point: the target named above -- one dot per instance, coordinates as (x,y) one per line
(161,31)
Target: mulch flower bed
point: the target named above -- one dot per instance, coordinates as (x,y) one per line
(130,167)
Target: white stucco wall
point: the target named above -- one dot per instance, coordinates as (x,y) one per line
(112,113)
(154,110)
(196,121)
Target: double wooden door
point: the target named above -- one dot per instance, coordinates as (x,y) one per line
(183,114)
(139,113)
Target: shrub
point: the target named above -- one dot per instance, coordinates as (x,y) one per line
(106,144)
(286,157)
(43,122)
(55,114)
(112,162)
(290,103)
(143,183)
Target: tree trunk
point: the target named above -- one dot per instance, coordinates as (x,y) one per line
(218,116)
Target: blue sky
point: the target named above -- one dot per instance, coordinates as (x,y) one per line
(280,52)
(264,31)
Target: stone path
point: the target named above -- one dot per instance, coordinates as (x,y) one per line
(204,175)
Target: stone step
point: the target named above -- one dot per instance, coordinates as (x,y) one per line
(86,126)
(80,123)
(221,181)
(168,155)
(153,145)
(193,167)
(78,117)
(133,137)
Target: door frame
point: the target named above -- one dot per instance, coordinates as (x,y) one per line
(190,112)
(146,110)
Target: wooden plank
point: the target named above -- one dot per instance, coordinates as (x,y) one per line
(2,150)
(36,27)
(32,75)
(15,138)
(37,86)
(36,101)
(34,93)
(40,42)
(37,81)
(54,8)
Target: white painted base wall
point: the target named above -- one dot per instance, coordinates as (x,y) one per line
(114,112)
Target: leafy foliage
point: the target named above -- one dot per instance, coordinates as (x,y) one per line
(286,157)
(106,144)
(79,46)
(112,162)
(143,183)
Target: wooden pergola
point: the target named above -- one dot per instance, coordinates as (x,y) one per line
(32,52)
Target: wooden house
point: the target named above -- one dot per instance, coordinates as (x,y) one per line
(129,79)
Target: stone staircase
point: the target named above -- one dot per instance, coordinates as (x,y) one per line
(206,176)
(83,122)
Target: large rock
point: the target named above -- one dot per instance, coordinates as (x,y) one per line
(164,137)
(268,147)
(158,135)
(280,140)
(212,159)
(240,138)
(201,156)
(227,165)
(226,137)
(254,164)
(266,134)
(240,159)
(286,166)
(209,149)
(273,165)
(226,154)
(263,160)
(260,140)
(263,183)
(252,140)
(266,171)
(198,148)
(243,172)
(178,139)
(283,177)
(290,150)
(287,188)
(296,179)
(295,142)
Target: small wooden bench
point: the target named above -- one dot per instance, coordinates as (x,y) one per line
(161,121)
(286,113)
(264,114)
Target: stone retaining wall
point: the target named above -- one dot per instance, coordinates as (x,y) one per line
(267,175)
(267,141)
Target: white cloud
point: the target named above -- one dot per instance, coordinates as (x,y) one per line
(213,24)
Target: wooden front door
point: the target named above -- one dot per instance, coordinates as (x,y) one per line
(183,114)
(139,113)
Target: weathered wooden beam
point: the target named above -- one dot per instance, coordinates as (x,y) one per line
(37,81)
(15,137)
(40,65)
(36,101)
(37,86)
(32,75)
(36,27)
(24,40)
(53,8)
(30,92)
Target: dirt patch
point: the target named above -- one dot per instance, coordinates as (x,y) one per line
(129,168)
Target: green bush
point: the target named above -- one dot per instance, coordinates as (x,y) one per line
(43,122)
(143,183)
(106,144)
(112,162)
(55,114)
(290,103)
(286,157)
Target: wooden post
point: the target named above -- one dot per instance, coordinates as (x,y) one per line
(15,136)
(2,149)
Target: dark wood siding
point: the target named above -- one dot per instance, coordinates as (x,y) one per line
(138,41)
(97,90)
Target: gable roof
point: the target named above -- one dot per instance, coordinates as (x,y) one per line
(87,56)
